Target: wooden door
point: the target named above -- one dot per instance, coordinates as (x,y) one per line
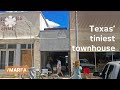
(26,58)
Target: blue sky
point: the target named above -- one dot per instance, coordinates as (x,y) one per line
(59,17)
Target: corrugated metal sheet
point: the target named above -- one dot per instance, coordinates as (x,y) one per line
(54,40)
(98,19)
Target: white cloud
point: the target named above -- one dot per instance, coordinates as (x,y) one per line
(52,24)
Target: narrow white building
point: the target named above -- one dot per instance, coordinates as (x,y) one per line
(19,38)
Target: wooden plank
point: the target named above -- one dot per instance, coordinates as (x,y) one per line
(26,58)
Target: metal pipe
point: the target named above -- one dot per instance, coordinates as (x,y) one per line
(31,45)
(95,61)
(31,49)
(112,56)
(76,34)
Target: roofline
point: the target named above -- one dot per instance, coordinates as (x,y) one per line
(44,19)
(26,11)
(4,12)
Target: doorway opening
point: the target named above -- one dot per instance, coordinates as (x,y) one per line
(62,56)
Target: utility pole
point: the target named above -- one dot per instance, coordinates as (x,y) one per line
(76,34)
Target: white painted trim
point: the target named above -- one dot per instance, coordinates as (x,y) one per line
(18,54)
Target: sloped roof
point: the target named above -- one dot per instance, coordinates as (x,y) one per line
(98,18)
(45,20)
(29,22)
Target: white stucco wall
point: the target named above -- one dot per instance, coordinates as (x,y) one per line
(43,24)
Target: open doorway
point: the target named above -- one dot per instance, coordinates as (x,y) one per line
(62,56)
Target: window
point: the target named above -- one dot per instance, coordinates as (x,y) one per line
(23,46)
(2,59)
(104,71)
(11,46)
(84,61)
(29,46)
(11,58)
(109,71)
(2,46)
(118,77)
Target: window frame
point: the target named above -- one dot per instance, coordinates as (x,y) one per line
(118,75)
(105,72)
(12,47)
(111,69)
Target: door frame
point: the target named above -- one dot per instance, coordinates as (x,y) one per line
(5,57)
(14,60)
